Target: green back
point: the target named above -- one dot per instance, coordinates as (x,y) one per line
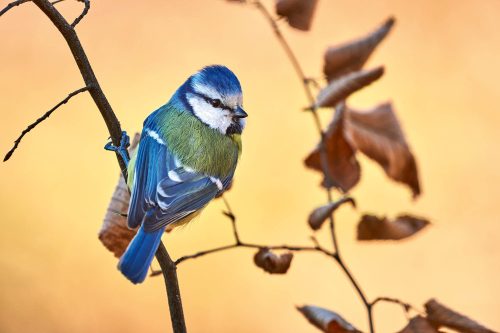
(198,146)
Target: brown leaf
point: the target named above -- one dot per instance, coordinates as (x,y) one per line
(299,13)
(342,168)
(378,134)
(440,315)
(374,228)
(326,320)
(115,234)
(320,214)
(419,324)
(273,263)
(344,86)
(351,56)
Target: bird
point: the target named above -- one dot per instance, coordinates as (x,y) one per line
(187,156)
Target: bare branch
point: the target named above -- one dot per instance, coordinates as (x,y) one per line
(115,131)
(406,306)
(316,248)
(42,118)
(12,5)
(323,154)
(173,291)
(84,12)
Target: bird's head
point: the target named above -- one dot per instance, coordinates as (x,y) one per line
(214,96)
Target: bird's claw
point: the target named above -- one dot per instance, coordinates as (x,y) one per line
(122,149)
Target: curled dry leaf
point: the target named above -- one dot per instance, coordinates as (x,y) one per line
(419,324)
(320,214)
(339,165)
(271,262)
(299,13)
(351,56)
(440,315)
(378,134)
(326,320)
(115,234)
(340,89)
(374,228)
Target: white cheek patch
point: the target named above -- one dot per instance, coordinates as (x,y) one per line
(215,118)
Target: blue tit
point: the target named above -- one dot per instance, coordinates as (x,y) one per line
(187,155)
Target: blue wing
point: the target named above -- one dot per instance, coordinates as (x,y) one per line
(165,191)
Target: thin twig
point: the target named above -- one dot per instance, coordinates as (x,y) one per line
(316,248)
(12,5)
(42,118)
(230,214)
(406,306)
(84,12)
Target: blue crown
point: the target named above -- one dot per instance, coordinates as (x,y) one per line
(221,78)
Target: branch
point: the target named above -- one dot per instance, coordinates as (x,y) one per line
(254,246)
(115,131)
(12,5)
(84,12)
(306,85)
(87,73)
(406,306)
(173,292)
(39,120)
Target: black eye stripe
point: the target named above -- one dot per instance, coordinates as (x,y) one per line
(216,103)
(211,101)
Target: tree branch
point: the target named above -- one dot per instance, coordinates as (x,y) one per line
(39,120)
(173,291)
(12,5)
(323,154)
(115,131)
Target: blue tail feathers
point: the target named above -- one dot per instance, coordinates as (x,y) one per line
(135,262)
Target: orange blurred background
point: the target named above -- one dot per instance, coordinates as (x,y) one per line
(441,74)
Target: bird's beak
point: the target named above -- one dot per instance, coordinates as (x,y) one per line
(240,113)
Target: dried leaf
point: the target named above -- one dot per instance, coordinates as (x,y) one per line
(326,320)
(115,234)
(299,13)
(320,214)
(440,315)
(342,168)
(375,228)
(351,56)
(273,263)
(344,86)
(419,324)
(378,134)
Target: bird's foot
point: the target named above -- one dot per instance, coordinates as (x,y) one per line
(122,149)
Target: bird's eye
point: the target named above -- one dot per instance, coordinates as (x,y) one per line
(216,103)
